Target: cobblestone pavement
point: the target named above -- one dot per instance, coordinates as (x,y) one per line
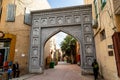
(63,71)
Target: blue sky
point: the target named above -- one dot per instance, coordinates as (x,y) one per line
(58,4)
(64,3)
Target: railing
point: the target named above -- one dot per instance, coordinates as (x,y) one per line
(116,4)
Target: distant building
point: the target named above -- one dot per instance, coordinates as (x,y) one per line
(50,49)
(106,24)
(15,24)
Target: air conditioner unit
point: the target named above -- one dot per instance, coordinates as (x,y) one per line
(94,24)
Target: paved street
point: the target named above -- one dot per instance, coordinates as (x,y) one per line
(63,71)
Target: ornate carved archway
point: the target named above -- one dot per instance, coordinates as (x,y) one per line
(76,21)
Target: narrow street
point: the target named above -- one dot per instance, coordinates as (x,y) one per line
(63,71)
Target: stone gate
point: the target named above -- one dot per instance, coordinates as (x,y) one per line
(76,21)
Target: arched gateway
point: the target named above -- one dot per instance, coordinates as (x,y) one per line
(76,21)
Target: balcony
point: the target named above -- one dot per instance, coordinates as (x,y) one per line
(116,4)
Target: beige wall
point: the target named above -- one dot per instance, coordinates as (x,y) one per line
(88,1)
(19,29)
(106,21)
(50,46)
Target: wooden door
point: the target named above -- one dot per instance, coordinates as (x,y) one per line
(116,44)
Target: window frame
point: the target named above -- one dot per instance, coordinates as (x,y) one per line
(103,3)
(96,9)
(102,35)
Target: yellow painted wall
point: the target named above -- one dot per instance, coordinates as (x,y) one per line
(19,29)
(106,21)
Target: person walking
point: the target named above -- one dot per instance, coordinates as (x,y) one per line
(16,70)
(95,69)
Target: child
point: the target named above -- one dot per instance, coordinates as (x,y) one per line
(9,73)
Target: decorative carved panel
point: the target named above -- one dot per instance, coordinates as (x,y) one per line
(52,20)
(36,22)
(89,60)
(77,18)
(88,49)
(35,52)
(88,38)
(87,28)
(68,19)
(35,40)
(36,32)
(60,19)
(35,62)
(86,18)
(44,21)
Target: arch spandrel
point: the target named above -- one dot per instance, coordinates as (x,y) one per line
(75,21)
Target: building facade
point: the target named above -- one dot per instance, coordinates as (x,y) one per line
(106,22)
(49,50)
(15,24)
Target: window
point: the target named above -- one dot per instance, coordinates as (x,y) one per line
(103,3)
(27,16)
(10,12)
(96,12)
(102,35)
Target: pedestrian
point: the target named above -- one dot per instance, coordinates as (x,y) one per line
(95,69)
(16,70)
(9,73)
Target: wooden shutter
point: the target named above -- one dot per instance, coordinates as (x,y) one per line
(116,44)
(10,13)
(27,18)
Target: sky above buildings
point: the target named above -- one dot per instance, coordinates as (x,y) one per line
(58,4)
(64,3)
